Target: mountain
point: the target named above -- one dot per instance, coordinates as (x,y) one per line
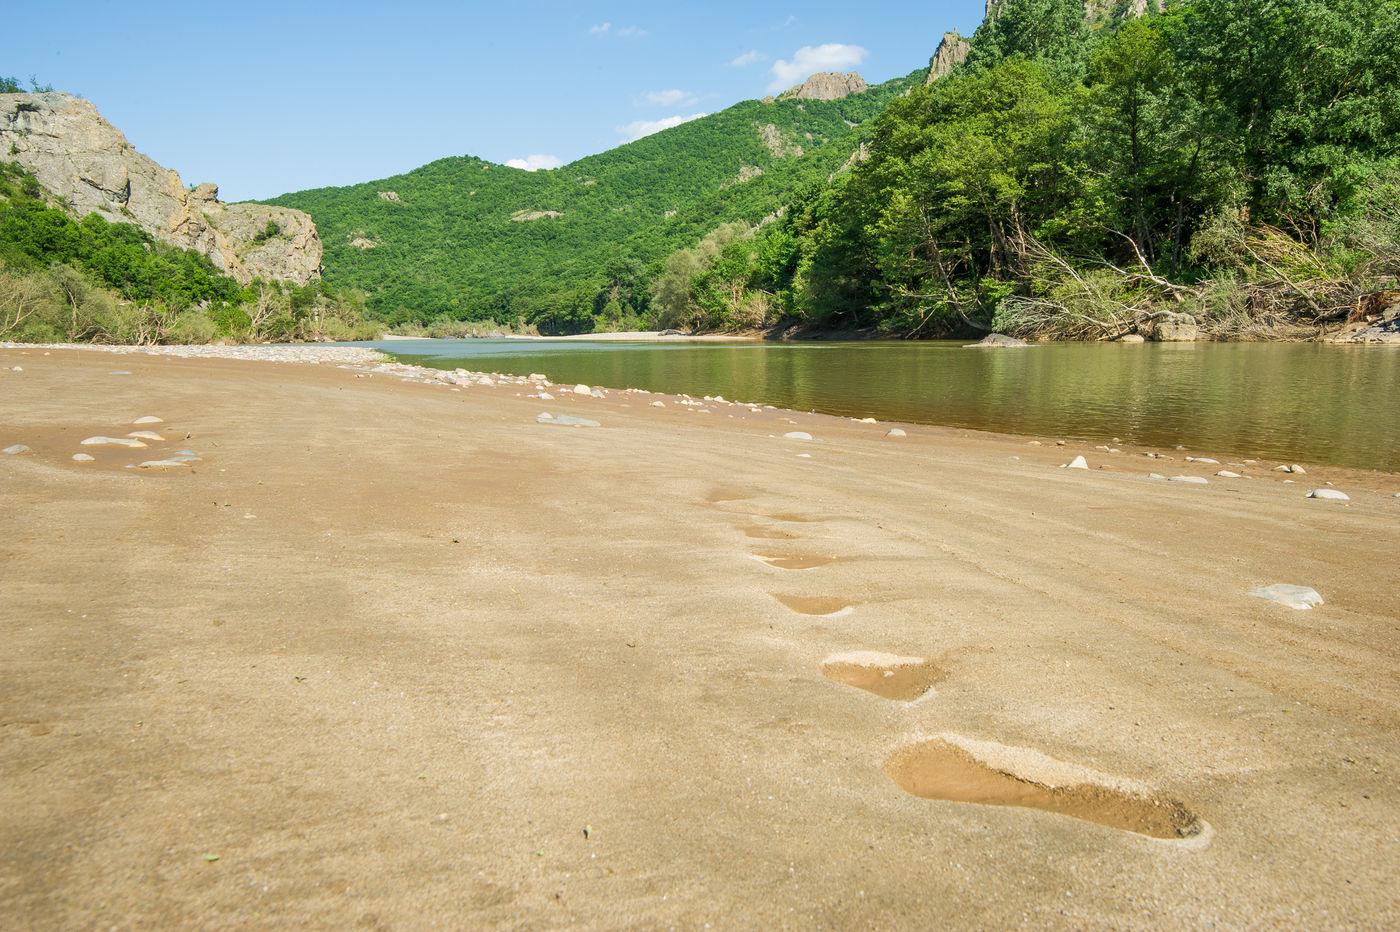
(467,239)
(87,162)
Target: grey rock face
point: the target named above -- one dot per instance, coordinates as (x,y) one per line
(952,51)
(827,85)
(80,157)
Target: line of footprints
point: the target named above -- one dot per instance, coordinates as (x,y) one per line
(955,768)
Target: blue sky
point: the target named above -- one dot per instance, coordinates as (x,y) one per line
(265,98)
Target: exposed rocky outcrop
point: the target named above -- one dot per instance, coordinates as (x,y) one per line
(951,52)
(87,162)
(777,144)
(827,85)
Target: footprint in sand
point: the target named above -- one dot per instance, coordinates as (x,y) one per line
(826,606)
(888,676)
(957,769)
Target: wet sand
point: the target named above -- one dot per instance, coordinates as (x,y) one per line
(398,655)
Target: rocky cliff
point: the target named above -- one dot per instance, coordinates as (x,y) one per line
(951,52)
(827,86)
(87,161)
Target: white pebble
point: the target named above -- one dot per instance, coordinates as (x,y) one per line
(148,419)
(1078,462)
(1330,493)
(797,435)
(1194,480)
(895,432)
(82,458)
(582,390)
(16,449)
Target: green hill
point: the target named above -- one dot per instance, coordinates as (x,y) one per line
(470,240)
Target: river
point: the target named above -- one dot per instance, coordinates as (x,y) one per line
(1301,402)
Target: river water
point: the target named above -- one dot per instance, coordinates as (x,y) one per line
(1300,402)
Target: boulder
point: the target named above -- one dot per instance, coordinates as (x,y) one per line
(1176,328)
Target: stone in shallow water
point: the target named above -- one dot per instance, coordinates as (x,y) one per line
(566,420)
(797,435)
(145,435)
(131,442)
(1194,480)
(148,419)
(895,432)
(16,449)
(1333,494)
(1300,597)
(82,458)
(164,464)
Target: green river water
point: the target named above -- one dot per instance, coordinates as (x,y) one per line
(1310,403)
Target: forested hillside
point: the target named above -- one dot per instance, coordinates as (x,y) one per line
(1227,168)
(575,247)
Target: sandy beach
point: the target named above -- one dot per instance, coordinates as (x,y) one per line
(390,650)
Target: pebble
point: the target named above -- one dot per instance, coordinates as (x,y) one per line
(1194,480)
(16,369)
(582,390)
(82,458)
(1156,475)
(1300,597)
(148,419)
(118,441)
(597,393)
(119,372)
(867,420)
(545,396)
(145,435)
(16,449)
(1078,462)
(1226,474)
(797,435)
(895,432)
(1202,459)
(1330,493)
(658,404)
(164,464)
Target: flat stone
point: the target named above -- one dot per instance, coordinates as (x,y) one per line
(1132,338)
(566,420)
(1194,480)
(16,449)
(1202,459)
(1298,470)
(164,464)
(1299,597)
(1156,475)
(1226,474)
(119,372)
(658,404)
(546,396)
(145,435)
(895,432)
(1078,462)
(597,393)
(148,419)
(1332,494)
(82,458)
(797,435)
(115,441)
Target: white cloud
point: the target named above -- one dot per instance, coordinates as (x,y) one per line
(639,128)
(748,58)
(600,29)
(533,163)
(808,61)
(632,32)
(670,98)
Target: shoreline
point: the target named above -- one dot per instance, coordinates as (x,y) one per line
(403,647)
(348,356)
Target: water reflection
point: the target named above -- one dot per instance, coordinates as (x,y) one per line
(1306,402)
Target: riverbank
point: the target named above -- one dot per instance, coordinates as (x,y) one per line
(396,649)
